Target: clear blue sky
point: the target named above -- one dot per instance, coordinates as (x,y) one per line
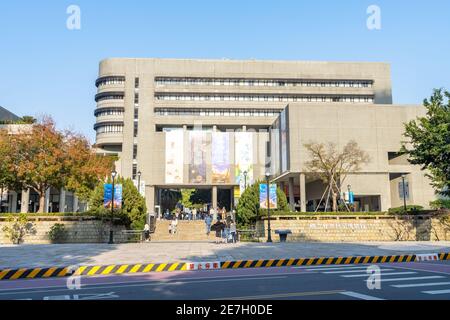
(47,69)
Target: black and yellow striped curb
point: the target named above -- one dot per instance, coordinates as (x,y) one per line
(60,272)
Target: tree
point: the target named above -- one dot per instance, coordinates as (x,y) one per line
(428,142)
(186,197)
(41,157)
(333,166)
(134,209)
(248,209)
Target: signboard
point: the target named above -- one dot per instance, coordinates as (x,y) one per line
(174,157)
(400,190)
(349,197)
(197,163)
(244,157)
(107,196)
(221,169)
(272,196)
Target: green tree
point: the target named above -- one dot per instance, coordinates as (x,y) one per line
(186,197)
(428,142)
(248,208)
(134,209)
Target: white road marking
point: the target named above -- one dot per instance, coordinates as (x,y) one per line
(382,274)
(359,295)
(411,278)
(412,285)
(437,292)
(352,271)
(331,266)
(160,283)
(335,268)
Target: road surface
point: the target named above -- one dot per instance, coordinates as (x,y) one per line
(404,281)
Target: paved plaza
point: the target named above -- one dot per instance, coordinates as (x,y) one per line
(103,254)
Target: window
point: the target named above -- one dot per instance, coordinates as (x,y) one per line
(136,129)
(136,83)
(136,98)
(114,80)
(135,150)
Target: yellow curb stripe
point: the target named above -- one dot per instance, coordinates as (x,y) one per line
(348,260)
(49,273)
(149,267)
(161,267)
(409,258)
(320,261)
(392,259)
(280,263)
(358,259)
(290,262)
(93,271)
(310,261)
(269,264)
(17,274)
(339,260)
(4,273)
(383,259)
(329,261)
(80,271)
(375,259)
(226,264)
(62,273)
(259,263)
(300,261)
(366,259)
(184,267)
(173,267)
(248,264)
(108,269)
(135,268)
(237,264)
(33,273)
(122,269)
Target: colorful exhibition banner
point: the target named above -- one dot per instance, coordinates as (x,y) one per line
(284,140)
(272,196)
(275,147)
(174,156)
(197,163)
(107,196)
(244,158)
(221,169)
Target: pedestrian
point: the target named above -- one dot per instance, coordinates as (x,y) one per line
(208,221)
(194,214)
(224,214)
(218,227)
(174,225)
(233,232)
(147,232)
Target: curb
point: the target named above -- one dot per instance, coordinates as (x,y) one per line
(61,272)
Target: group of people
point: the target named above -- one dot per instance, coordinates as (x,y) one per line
(195,214)
(225,229)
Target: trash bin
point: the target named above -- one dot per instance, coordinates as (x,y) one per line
(283,234)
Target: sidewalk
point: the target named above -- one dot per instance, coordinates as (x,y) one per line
(28,256)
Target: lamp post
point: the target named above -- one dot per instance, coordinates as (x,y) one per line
(245,180)
(111,232)
(404,192)
(269,230)
(139,181)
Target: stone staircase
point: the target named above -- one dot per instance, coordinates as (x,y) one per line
(186,231)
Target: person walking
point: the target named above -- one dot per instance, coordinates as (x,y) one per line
(233,231)
(147,232)
(208,221)
(174,225)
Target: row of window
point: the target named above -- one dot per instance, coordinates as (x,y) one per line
(109,128)
(113,80)
(203,112)
(263,83)
(270,98)
(109,96)
(109,112)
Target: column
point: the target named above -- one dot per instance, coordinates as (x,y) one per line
(13,207)
(47,200)
(24,204)
(150,197)
(214,197)
(62,200)
(75,203)
(291,194)
(302,192)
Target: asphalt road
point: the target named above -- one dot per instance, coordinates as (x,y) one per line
(404,281)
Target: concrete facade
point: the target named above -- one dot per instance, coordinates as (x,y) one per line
(140,100)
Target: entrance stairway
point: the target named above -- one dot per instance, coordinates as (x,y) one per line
(186,231)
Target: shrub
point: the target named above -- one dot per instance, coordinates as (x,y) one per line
(440,204)
(18,228)
(57,233)
(411,209)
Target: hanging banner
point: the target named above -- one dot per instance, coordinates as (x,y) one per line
(197,163)
(272,196)
(107,196)
(174,157)
(141,189)
(221,169)
(284,133)
(244,158)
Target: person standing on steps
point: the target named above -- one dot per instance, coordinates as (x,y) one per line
(208,221)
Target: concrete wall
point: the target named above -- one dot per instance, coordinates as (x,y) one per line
(81,230)
(348,229)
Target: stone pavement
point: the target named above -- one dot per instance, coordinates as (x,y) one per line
(28,256)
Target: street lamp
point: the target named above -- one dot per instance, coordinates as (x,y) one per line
(111,232)
(404,192)
(245,180)
(139,181)
(269,230)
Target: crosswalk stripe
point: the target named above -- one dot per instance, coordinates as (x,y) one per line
(352,271)
(411,278)
(336,268)
(329,267)
(382,274)
(359,295)
(412,285)
(437,291)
